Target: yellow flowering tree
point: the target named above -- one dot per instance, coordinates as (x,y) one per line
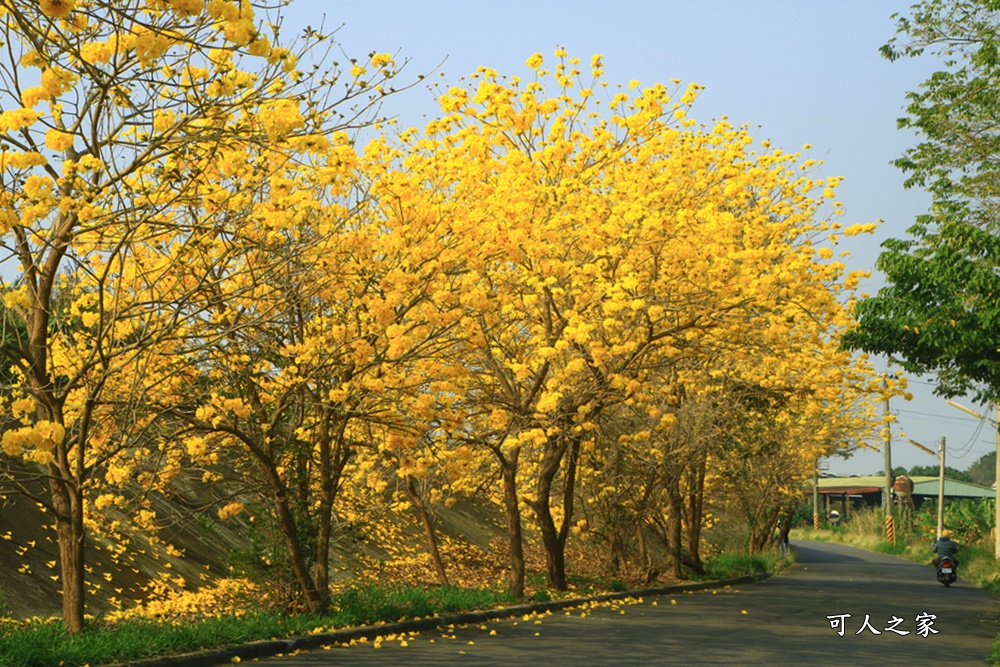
(314,374)
(609,248)
(134,137)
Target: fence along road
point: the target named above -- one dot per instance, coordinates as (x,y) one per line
(785,620)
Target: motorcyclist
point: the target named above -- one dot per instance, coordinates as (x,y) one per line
(945,546)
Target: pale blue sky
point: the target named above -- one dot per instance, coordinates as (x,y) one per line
(805,71)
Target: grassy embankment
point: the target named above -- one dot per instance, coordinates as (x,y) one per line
(44,643)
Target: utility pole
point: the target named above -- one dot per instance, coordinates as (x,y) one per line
(940,526)
(890,529)
(816,497)
(940,455)
(996,483)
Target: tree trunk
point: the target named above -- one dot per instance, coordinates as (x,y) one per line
(327,493)
(508,470)
(65,476)
(553,538)
(67,502)
(555,571)
(696,507)
(762,531)
(325,527)
(427,520)
(762,520)
(569,494)
(640,536)
(645,558)
(785,526)
(302,475)
(316,601)
(772,527)
(675,505)
(334,455)
(617,552)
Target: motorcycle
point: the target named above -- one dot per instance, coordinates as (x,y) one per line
(946,568)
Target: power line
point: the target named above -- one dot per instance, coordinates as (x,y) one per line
(926,384)
(929,415)
(972,441)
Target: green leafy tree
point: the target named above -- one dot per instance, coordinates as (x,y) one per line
(983,470)
(934,471)
(940,309)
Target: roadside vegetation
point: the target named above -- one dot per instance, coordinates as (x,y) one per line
(240,617)
(971,524)
(45,643)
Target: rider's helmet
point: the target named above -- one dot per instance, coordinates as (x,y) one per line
(945,533)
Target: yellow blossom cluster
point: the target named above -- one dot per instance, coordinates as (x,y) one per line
(58,140)
(96,52)
(230,510)
(57,80)
(17,119)
(221,598)
(41,436)
(280,118)
(57,9)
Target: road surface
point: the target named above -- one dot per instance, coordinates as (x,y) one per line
(783,621)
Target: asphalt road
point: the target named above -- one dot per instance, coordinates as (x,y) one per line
(783,621)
